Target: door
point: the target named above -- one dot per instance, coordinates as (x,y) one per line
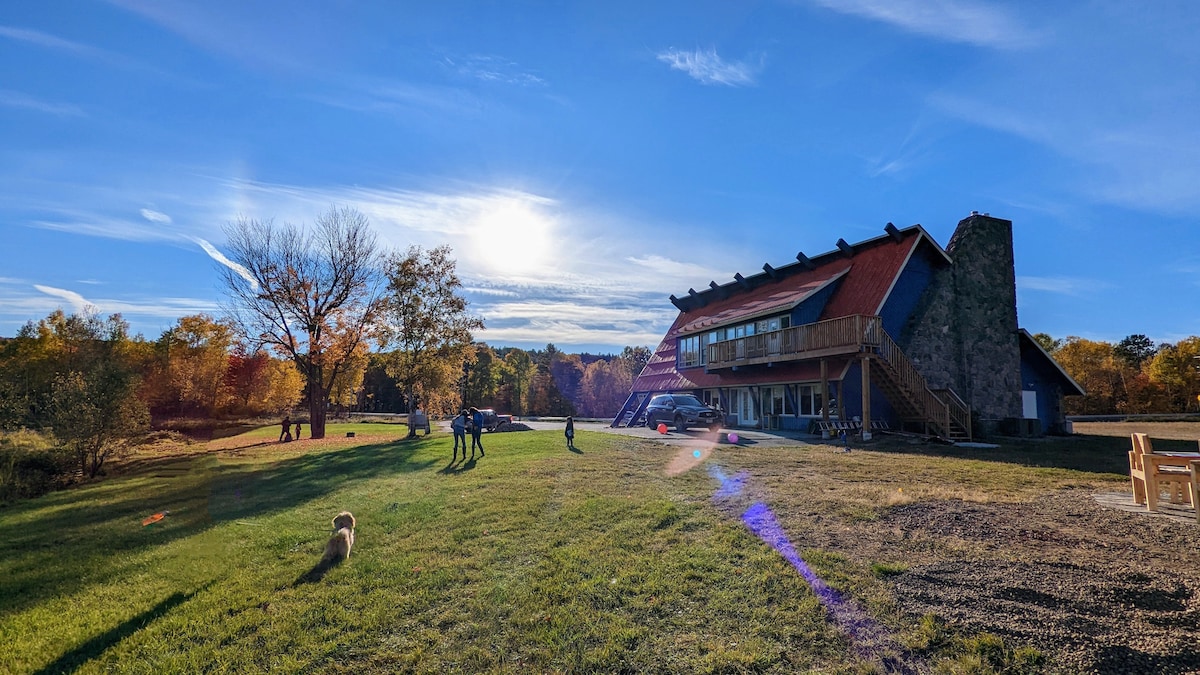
(1029,405)
(747,416)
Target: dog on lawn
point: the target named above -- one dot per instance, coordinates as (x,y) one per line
(338,548)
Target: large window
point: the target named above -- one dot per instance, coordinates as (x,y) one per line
(810,399)
(751,328)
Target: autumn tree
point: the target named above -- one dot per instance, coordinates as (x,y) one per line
(194,358)
(519,370)
(94,407)
(604,387)
(1175,369)
(309,294)
(1097,368)
(425,323)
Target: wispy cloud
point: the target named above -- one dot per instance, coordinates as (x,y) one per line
(77,301)
(707,67)
(156,216)
(17,306)
(965,21)
(493,69)
(220,257)
(1060,285)
(16,99)
(37,37)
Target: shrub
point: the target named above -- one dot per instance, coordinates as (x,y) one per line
(31,465)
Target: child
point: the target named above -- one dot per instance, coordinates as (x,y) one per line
(459,427)
(570,433)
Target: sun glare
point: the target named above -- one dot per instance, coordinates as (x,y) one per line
(514,239)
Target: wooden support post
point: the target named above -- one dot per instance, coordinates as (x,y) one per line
(824,397)
(866,399)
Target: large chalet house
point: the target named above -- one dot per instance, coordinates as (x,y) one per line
(893,332)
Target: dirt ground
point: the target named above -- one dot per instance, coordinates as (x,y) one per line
(1084,576)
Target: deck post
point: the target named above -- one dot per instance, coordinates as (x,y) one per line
(825,398)
(866,398)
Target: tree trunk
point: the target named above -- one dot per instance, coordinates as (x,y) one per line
(316,407)
(412,430)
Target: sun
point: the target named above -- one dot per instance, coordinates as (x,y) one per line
(513,237)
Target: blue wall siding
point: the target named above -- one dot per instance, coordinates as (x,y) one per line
(903,300)
(810,310)
(851,395)
(1038,376)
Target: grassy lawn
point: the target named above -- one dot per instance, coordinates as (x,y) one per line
(532,558)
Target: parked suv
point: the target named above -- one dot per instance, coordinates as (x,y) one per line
(491,420)
(682,410)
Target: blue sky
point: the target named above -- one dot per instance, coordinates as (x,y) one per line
(587,160)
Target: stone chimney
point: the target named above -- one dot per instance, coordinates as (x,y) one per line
(985,314)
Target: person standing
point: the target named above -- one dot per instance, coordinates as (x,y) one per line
(570,433)
(459,427)
(476,431)
(285,433)
(297,429)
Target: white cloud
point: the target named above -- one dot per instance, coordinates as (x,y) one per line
(156,216)
(77,301)
(493,69)
(1060,285)
(966,21)
(707,67)
(16,99)
(220,257)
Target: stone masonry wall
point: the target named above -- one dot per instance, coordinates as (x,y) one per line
(963,334)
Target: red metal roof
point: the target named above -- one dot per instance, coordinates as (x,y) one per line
(771,299)
(867,278)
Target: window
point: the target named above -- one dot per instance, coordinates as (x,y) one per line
(689,351)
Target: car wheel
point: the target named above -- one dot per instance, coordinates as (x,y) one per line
(650,422)
(680,425)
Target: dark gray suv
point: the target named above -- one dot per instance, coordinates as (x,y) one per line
(682,411)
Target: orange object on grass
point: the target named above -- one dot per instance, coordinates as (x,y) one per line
(150,520)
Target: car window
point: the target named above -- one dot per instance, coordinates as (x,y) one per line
(688,400)
(660,400)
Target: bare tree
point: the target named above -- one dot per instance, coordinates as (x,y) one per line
(311,295)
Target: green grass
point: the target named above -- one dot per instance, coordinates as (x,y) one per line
(532,559)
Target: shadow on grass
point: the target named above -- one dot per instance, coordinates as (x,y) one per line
(455,467)
(89,650)
(1089,454)
(317,572)
(575,450)
(57,544)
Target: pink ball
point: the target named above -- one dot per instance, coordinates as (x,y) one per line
(733,438)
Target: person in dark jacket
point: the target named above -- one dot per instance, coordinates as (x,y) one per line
(570,433)
(476,431)
(285,434)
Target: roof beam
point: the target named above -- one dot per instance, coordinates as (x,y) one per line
(846,248)
(679,304)
(741,280)
(893,231)
(771,272)
(721,292)
(804,260)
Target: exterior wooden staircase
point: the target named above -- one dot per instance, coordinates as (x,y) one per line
(941,411)
(633,413)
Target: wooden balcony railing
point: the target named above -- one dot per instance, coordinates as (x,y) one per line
(844,335)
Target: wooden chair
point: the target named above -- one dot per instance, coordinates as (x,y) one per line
(1150,473)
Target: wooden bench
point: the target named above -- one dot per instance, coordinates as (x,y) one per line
(1151,472)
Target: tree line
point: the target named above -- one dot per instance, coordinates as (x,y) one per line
(1131,376)
(321,317)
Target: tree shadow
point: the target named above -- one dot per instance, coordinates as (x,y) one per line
(67,540)
(96,646)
